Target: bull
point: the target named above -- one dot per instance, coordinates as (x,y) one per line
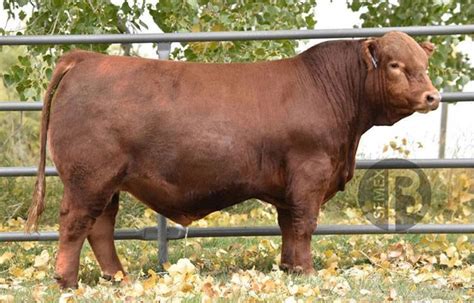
(188,139)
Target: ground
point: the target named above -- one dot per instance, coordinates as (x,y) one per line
(372,268)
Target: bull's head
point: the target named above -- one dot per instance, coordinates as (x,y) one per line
(397,82)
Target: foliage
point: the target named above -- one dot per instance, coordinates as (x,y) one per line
(204,16)
(30,75)
(448,67)
(8,57)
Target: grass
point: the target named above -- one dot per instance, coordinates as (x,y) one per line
(357,276)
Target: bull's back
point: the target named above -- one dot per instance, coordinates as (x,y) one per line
(114,86)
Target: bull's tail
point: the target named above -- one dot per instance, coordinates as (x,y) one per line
(37,205)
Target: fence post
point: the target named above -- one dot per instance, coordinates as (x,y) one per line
(443,130)
(163,52)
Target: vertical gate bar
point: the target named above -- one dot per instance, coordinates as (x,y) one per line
(162,240)
(443,129)
(163,52)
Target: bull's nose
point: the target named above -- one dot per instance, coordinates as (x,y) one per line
(432,98)
(429,101)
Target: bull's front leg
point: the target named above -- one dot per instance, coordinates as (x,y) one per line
(287,248)
(307,188)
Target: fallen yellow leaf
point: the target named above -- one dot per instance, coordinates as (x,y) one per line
(6,256)
(42,260)
(119,276)
(6,298)
(66,298)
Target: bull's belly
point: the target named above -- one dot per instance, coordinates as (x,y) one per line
(184,205)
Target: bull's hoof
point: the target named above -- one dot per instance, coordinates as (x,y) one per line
(285,267)
(297,270)
(111,278)
(300,270)
(107,277)
(64,283)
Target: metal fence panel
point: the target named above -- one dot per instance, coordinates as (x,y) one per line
(178,232)
(360,164)
(233,36)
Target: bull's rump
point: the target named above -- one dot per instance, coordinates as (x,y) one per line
(191,136)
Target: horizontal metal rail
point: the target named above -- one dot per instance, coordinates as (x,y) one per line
(360,164)
(179,232)
(37,106)
(457,97)
(234,36)
(124,234)
(20,106)
(25,171)
(414,163)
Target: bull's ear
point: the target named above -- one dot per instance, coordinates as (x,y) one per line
(428,47)
(369,52)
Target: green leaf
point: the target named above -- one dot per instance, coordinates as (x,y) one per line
(21,3)
(260,52)
(23,60)
(193,3)
(310,22)
(8,80)
(22,15)
(58,3)
(355,6)
(49,72)
(126,9)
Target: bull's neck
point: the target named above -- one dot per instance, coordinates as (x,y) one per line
(338,74)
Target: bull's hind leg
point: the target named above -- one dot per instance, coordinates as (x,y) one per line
(80,208)
(92,167)
(101,239)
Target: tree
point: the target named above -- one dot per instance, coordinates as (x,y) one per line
(233,15)
(30,76)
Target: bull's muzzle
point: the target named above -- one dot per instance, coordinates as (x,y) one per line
(430,101)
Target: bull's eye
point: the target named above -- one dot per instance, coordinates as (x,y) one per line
(394,65)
